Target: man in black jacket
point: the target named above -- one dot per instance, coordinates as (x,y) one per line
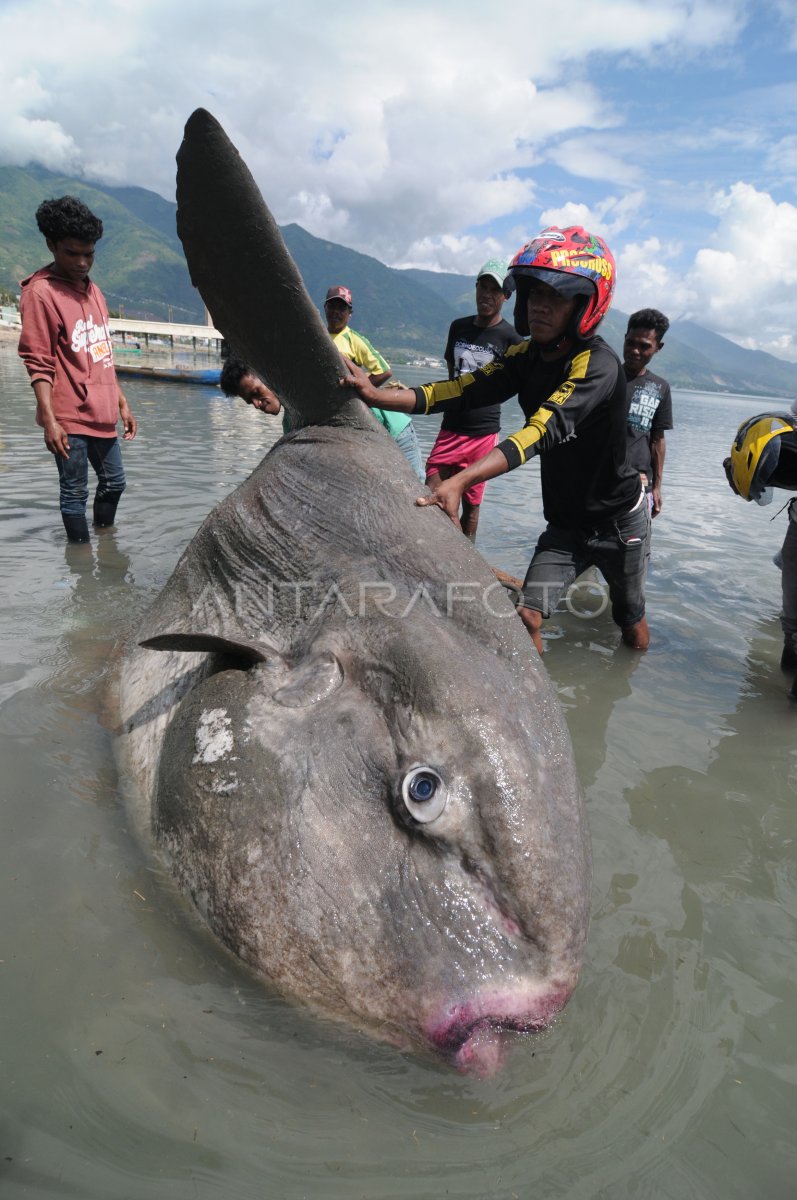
(572,390)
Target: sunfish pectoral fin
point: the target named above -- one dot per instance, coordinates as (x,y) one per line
(246,654)
(249,282)
(310,681)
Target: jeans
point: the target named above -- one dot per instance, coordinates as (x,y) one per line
(407,442)
(105,457)
(620,549)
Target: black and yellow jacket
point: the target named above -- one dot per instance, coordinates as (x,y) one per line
(575,409)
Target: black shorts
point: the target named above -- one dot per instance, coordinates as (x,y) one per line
(619,550)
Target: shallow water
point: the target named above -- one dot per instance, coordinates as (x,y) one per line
(138,1060)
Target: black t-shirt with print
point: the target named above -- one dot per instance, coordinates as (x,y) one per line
(649,411)
(469,347)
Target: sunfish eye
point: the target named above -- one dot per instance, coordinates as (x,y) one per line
(424,793)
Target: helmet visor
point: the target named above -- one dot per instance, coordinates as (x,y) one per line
(573,287)
(565,282)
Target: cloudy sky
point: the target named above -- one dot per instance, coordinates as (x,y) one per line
(436,133)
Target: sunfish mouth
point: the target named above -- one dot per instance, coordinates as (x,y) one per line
(474,1036)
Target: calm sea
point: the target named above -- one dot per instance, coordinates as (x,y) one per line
(139,1062)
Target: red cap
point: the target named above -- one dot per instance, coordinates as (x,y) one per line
(339,293)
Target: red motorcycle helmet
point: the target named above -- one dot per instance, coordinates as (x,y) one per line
(576,263)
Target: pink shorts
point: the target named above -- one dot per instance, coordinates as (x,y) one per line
(459,451)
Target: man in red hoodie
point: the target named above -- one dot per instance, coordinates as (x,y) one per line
(66,348)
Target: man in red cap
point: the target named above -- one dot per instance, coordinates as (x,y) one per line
(338,309)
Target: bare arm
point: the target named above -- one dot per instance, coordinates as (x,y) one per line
(449,492)
(657,451)
(392,399)
(378,380)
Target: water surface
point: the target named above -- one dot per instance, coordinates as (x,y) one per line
(139,1061)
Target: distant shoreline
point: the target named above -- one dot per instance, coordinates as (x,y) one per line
(9,334)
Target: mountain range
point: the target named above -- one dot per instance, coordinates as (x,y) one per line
(405,313)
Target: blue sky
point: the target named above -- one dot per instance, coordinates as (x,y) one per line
(440,134)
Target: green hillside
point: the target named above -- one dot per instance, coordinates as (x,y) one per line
(456,290)
(400,316)
(140,266)
(697,359)
(406,313)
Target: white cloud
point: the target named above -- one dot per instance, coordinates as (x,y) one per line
(743,285)
(608,218)
(647,278)
(455,254)
(589,158)
(750,272)
(711,24)
(782,157)
(29,136)
(788,15)
(422,124)
(423,132)
(29,140)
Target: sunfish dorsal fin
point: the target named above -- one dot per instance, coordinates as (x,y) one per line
(249,282)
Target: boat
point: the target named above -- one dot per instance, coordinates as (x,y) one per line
(209,375)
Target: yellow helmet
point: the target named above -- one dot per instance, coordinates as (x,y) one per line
(757,461)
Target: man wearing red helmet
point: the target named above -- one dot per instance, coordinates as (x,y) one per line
(572,390)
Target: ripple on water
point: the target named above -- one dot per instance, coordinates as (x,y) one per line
(145,1062)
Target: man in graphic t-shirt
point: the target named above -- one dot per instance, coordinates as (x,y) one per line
(473,342)
(66,348)
(649,400)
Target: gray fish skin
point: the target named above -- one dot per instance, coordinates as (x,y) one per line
(320,640)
